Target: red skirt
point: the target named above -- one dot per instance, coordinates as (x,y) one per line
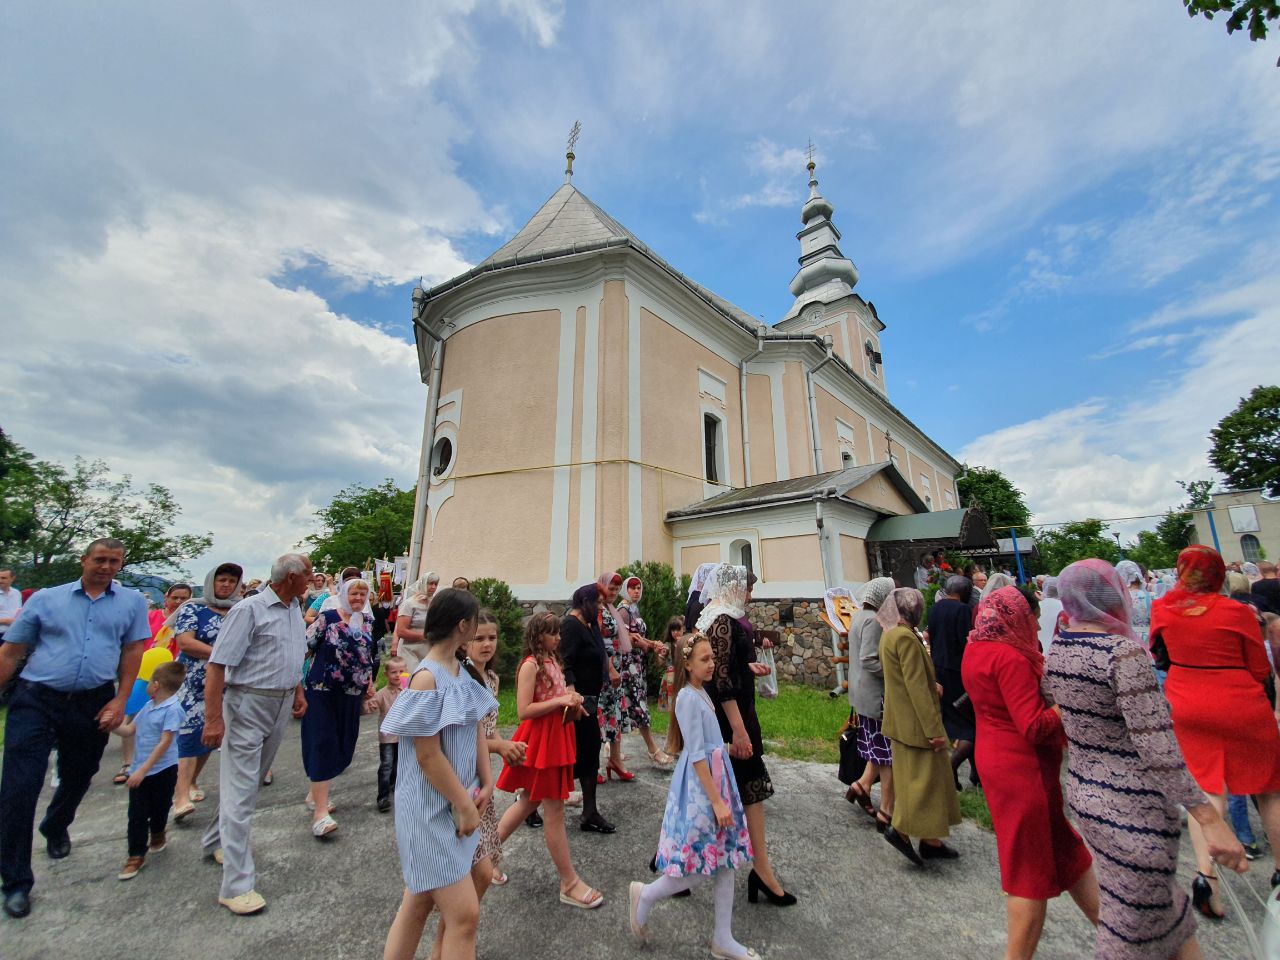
(547,771)
(1225,727)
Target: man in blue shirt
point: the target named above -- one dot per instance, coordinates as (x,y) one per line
(85,640)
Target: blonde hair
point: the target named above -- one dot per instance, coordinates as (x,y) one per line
(684,651)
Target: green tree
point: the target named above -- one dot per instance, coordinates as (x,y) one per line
(1149,551)
(50,515)
(663,598)
(996,495)
(1246,442)
(496,597)
(363,523)
(1199,493)
(1257,13)
(1077,540)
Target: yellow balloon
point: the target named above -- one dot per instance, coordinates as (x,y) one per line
(152,659)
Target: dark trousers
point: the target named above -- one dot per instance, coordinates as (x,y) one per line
(149,804)
(388,761)
(40,719)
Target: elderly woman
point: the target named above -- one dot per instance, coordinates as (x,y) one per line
(866,696)
(1050,611)
(635,676)
(615,698)
(1217,666)
(925,803)
(1139,599)
(586,673)
(950,621)
(343,664)
(195,627)
(1020,747)
(408,641)
(733,692)
(1125,773)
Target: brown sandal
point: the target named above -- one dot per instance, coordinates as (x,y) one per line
(857,794)
(883,821)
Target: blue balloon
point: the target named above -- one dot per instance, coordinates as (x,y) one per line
(138,698)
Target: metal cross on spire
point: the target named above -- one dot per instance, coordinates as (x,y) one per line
(574,133)
(808,152)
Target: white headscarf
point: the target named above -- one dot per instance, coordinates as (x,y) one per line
(699,578)
(997,581)
(725,592)
(357,617)
(418,589)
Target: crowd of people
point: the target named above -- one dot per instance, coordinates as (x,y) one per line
(1124,672)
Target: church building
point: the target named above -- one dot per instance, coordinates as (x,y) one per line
(589,405)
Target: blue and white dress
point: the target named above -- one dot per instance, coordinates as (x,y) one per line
(432,855)
(691,842)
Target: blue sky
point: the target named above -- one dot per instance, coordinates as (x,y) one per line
(1067,217)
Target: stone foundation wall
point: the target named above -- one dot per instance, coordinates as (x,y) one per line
(805,653)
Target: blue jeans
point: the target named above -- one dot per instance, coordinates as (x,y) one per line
(40,719)
(1238,808)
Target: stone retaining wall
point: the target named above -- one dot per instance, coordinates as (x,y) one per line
(805,653)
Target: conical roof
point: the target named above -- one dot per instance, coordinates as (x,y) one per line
(568,218)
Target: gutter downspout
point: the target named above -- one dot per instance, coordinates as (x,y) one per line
(742,407)
(424,461)
(813,404)
(838,655)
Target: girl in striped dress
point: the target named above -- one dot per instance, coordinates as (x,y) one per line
(445,782)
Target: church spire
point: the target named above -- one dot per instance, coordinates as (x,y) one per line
(825,274)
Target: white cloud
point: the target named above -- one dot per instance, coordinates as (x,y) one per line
(1122,455)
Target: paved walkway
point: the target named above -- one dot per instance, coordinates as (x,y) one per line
(334,899)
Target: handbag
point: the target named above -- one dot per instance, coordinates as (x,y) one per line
(767,685)
(1160,653)
(851,762)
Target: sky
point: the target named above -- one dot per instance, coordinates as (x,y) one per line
(214,214)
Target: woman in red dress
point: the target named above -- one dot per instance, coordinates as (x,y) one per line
(1221,717)
(1019,751)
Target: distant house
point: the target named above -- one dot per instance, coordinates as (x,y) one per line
(1241,524)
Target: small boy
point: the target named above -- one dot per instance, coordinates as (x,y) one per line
(155,729)
(388,745)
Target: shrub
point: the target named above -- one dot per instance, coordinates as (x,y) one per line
(496,597)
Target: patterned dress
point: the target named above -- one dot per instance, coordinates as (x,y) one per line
(432,855)
(344,663)
(490,843)
(691,843)
(615,703)
(635,673)
(734,681)
(204,622)
(1125,781)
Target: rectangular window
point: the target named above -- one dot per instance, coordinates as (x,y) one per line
(1243,519)
(711,446)
(951,501)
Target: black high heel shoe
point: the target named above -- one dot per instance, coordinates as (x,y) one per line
(756,886)
(1202,896)
(1275,879)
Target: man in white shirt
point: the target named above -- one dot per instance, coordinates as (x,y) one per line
(10,600)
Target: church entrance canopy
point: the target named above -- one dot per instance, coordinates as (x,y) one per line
(896,544)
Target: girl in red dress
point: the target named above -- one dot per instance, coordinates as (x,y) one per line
(1019,747)
(547,711)
(1221,716)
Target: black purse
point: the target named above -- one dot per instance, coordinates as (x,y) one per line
(851,762)
(1160,653)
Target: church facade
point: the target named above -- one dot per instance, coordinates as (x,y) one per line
(589,405)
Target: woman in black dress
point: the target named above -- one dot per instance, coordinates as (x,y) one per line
(586,673)
(733,691)
(950,621)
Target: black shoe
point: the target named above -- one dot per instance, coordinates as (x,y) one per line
(1275,879)
(1251,851)
(756,886)
(58,847)
(17,904)
(1202,894)
(597,824)
(533,820)
(941,852)
(384,804)
(902,845)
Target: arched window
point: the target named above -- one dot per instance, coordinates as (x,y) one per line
(1250,547)
(740,554)
(441,458)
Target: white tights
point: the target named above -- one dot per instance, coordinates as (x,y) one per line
(665,887)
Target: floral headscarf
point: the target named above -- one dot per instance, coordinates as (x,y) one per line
(1201,573)
(1129,572)
(699,578)
(725,592)
(1005,617)
(1091,591)
(904,603)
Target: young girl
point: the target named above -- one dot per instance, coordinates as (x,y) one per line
(704,829)
(670,639)
(545,775)
(440,798)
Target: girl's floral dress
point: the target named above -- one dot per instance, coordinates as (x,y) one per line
(691,842)
(615,703)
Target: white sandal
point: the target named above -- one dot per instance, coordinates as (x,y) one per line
(311,805)
(324,826)
(181,813)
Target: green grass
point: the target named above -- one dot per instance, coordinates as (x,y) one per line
(973,806)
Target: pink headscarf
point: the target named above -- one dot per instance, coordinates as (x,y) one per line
(1005,617)
(613,578)
(903,603)
(1092,591)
